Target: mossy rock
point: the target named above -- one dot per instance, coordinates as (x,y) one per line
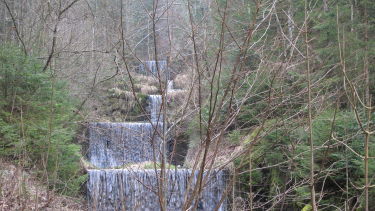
(144,165)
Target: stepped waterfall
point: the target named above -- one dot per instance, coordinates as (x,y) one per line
(152,67)
(117,144)
(115,185)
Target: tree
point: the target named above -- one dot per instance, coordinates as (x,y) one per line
(35,117)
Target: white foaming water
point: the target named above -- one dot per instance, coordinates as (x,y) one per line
(170,85)
(119,189)
(116,144)
(149,67)
(155,108)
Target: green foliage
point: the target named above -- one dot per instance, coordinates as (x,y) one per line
(234,136)
(145,165)
(283,154)
(193,132)
(290,153)
(151,165)
(307,207)
(35,121)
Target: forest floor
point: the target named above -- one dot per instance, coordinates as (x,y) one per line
(20,190)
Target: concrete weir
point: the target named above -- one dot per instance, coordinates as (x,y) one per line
(120,189)
(117,144)
(114,185)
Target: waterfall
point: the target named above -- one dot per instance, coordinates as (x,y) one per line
(116,144)
(119,189)
(170,85)
(155,105)
(149,67)
(114,185)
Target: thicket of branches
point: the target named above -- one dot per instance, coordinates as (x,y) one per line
(281,93)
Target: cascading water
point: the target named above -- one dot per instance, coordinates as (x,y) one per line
(170,85)
(119,189)
(155,105)
(150,68)
(116,144)
(113,145)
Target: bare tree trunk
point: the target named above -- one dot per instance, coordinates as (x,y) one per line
(325,5)
(250,182)
(290,21)
(312,180)
(369,108)
(290,27)
(352,16)
(15,25)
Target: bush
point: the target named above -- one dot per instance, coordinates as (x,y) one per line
(35,121)
(290,143)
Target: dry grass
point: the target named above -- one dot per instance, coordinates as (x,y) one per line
(226,152)
(118,93)
(176,101)
(182,81)
(19,190)
(148,90)
(177,96)
(146,80)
